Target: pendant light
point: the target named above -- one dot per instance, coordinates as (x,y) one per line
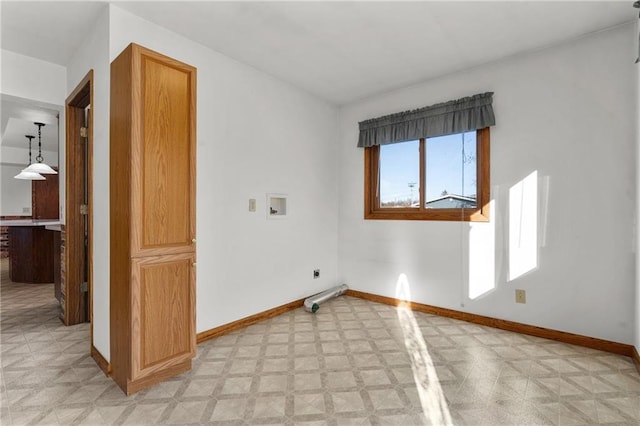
(27,175)
(40,167)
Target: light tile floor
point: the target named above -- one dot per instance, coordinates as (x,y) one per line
(353,362)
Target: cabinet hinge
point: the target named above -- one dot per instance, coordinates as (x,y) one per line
(84,132)
(84,287)
(84,209)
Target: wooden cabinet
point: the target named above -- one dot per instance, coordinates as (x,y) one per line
(57,265)
(45,198)
(152,206)
(31,256)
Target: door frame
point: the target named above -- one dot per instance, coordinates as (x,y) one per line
(75,105)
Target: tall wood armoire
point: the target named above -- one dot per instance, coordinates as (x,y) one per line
(152,207)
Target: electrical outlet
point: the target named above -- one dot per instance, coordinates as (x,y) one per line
(316,273)
(521,296)
(252,204)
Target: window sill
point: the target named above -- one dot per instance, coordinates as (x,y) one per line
(451,215)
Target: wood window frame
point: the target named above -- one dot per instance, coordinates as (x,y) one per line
(373,210)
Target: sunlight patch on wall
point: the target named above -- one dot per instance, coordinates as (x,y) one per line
(434,405)
(482,256)
(523,226)
(403,292)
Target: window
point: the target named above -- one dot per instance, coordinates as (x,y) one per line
(435,178)
(430,163)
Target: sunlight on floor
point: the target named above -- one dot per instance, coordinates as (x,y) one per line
(434,405)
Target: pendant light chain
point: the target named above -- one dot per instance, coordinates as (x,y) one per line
(30,137)
(39,166)
(39,158)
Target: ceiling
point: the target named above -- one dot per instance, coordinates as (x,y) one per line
(338,51)
(47,30)
(17,121)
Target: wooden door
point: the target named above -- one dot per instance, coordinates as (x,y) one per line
(163,300)
(45,198)
(76,300)
(163,207)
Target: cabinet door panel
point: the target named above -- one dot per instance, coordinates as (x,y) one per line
(45,198)
(163,297)
(166,157)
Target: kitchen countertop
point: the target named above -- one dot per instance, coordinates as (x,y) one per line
(30,222)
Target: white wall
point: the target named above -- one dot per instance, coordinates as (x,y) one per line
(15,155)
(637,228)
(94,54)
(566,112)
(16,193)
(40,83)
(255,135)
(258,135)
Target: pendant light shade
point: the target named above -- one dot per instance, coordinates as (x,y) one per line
(29,175)
(40,167)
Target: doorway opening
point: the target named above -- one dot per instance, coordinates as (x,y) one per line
(77,303)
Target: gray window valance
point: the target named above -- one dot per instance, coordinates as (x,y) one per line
(462,115)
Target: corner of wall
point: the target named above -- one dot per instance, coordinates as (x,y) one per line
(93,54)
(637,230)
